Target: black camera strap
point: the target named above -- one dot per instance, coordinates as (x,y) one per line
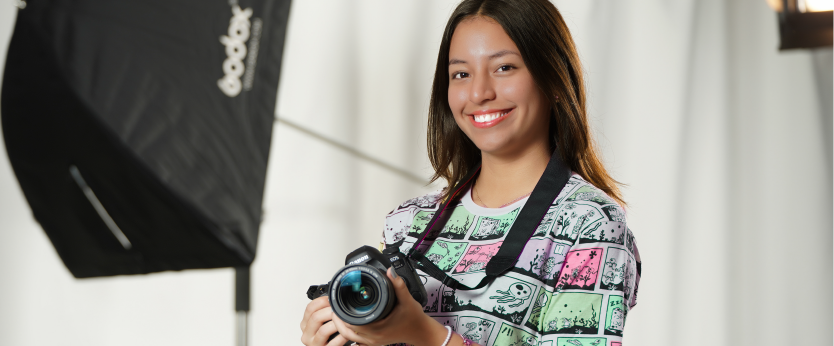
(552,181)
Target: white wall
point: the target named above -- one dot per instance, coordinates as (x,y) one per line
(725,145)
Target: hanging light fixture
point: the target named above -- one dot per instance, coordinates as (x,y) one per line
(804,23)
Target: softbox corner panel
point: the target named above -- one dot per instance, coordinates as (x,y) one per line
(139,131)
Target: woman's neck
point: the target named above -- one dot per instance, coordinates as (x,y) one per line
(505,178)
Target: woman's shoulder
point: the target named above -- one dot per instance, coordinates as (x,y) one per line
(582,197)
(425,203)
(428,201)
(597,218)
(400,221)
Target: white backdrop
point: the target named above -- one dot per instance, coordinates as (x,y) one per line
(725,145)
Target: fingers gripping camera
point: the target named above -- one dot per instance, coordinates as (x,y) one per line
(361,293)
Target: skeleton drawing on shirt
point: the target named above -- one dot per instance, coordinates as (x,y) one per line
(517,292)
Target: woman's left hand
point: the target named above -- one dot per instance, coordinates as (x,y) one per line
(407,323)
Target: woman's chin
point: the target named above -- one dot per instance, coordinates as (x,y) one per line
(494,147)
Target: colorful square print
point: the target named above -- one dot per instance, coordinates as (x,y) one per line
(458,224)
(572,221)
(493,227)
(476,258)
(615,319)
(572,313)
(541,258)
(445,254)
(604,232)
(614,270)
(580,270)
(418,224)
(512,336)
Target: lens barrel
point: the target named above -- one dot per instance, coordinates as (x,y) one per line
(361,294)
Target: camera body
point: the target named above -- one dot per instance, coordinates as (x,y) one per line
(361,293)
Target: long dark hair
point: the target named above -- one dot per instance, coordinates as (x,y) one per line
(547,48)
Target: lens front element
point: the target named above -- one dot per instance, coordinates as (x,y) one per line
(361,294)
(357,293)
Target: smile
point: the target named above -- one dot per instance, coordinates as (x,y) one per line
(489,118)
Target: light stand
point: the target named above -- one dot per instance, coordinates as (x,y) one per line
(242,291)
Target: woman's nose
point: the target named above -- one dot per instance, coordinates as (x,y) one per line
(482,89)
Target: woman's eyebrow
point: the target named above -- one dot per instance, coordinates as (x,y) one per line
(502,53)
(492,56)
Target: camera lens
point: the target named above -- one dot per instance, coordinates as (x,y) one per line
(357,292)
(361,294)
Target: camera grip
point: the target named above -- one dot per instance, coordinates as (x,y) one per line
(405,270)
(316,291)
(414,284)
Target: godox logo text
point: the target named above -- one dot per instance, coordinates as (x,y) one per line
(235,44)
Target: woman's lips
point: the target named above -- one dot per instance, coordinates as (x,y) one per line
(489,118)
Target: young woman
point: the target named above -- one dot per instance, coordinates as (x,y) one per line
(507,93)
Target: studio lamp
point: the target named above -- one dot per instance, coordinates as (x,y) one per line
(804,23)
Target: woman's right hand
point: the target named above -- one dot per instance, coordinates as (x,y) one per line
(316,326)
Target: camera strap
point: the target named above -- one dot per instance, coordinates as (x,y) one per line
(552,181)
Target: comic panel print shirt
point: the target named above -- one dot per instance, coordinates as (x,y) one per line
(573,284)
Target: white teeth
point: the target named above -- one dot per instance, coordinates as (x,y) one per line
(489,117)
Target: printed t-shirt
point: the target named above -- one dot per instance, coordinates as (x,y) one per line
(573,284)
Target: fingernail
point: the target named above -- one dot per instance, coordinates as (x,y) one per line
(394,273)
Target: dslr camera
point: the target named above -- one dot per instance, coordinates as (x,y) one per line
(361,293)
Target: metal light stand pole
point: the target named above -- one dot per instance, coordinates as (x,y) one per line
(242,289)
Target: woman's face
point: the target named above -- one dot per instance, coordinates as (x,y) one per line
(492,95)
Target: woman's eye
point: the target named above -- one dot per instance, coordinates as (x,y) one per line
(505,68)
(459,75)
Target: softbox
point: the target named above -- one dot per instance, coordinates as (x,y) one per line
(139,130)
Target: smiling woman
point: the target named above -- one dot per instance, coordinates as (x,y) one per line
(507,115)
(529,36)
(492,95)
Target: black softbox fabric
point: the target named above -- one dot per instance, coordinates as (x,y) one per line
(139,130)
